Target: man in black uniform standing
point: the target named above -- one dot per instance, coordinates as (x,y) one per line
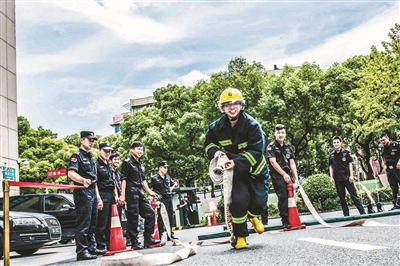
(240,137)
(163,186)
(186,206)
(132,185)
(341,172)
(108,194)
(391,158)
(115,160)
(283,169)
(87,200)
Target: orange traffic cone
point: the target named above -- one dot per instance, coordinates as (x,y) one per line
(293,215)
(117,242)
(156,234)
(214,218)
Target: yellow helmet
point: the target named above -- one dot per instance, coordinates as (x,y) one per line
(230,95)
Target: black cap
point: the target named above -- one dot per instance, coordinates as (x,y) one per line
(105,146)
(88,135)
(162,163)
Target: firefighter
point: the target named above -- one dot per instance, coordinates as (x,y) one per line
(240,137)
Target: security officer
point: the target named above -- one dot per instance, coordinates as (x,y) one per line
(283,169)
(341,172)
(108,194)
(87,200)
(391,158)
(132,185)
(240,137)
(115,161)
(163,186)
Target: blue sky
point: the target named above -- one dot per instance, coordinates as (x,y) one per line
(78,62)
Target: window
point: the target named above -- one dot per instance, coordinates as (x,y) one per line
(54,203)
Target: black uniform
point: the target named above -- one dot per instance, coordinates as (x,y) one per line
(283,154)
(162,186)
(391,154)
(85,201)
(245,145)
(133,173)
(186,210)
(106,186)
(341,174)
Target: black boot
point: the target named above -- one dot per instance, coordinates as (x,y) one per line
(136,246)
(379,207)
(370,210)
(148,241)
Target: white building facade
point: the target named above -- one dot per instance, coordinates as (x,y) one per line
(8,95)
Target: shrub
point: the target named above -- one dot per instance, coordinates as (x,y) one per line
(321,193)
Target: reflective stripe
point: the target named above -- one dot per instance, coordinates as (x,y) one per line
(250,158)
(211,145)
(260,166)
(225,142)
(291,203)
(239,220)
(242,145)
(254,215)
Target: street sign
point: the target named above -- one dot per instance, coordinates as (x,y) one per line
(9,173)
(56,173)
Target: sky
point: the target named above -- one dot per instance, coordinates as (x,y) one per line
(80,61)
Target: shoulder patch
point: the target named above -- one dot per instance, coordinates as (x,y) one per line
(269,148)
(73,159)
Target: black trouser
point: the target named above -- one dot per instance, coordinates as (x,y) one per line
(86,217)
(186,215)
(341,187)
(120,209)
(137,205)
(249,198)
(167,201)
(104,220)
(393,176)
(280,187)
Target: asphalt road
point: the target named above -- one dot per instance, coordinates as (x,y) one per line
(315,245)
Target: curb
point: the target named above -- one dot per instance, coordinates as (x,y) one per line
(184,227)
(310,222)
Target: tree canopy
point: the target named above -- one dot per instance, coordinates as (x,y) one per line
(357,99)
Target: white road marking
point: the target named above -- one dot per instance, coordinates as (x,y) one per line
(358,246)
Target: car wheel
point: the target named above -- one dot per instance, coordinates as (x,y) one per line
(26,252)
(1,245)
(65,241)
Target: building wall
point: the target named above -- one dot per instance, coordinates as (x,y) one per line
(8,90)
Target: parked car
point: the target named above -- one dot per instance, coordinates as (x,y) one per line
(56,204)
(60,205)
(29,232)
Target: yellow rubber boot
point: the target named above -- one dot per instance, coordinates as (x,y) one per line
(241,243)
(257,225)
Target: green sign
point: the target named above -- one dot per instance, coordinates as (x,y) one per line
(9,173)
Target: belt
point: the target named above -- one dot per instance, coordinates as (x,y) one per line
(166,196)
